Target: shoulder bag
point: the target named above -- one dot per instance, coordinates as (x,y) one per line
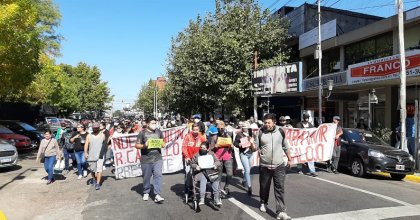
(42,156)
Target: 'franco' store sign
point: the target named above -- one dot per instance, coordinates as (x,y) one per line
(383,69)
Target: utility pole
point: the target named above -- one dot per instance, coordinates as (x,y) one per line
(403,110)
(255,96)
(319,55)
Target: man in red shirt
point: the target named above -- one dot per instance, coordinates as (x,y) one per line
(190,147)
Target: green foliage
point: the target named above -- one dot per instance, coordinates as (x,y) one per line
(118,114)
(210,63)
(27,30)
(145,98)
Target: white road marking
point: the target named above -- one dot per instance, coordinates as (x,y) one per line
(246,209)
(371,214)
(365,191)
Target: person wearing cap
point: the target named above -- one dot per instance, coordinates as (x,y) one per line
(306,124)
(246,145)
(282,121)
(288,122)
(94,154)
(333,166)
(197,120)
(224,154)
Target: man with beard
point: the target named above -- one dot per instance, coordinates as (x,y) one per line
(151,158)
(94,154)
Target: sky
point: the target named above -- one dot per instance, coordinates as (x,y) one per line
(129,39)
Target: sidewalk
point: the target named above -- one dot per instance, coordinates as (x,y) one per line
(26,196)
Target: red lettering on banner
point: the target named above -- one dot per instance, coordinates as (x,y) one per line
(118,158)
(294,137)
(175,148)
(128,156)
(320,152)
(311,150)
(117,143)
(323,130)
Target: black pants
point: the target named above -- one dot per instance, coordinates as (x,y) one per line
(335,158)
(278,175)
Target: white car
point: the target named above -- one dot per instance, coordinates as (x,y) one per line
(8,154)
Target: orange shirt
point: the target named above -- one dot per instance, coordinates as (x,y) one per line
(191,145)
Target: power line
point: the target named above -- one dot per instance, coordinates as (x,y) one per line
(378,6)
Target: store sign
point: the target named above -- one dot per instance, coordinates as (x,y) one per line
(339,79)
(328,30)
(278,79)
(384,68)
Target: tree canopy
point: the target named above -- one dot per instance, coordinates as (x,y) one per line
(210,63)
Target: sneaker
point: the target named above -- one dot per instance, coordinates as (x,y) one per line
(218,202)
(97,186)
(313,174)
(79,177)
(49,182)
(227,191)
(145,197)
(262,208)
(300,172)
(283,216)
(335,171)
(201,201)
(159,199)
(249,190)
(85,173)
(93,182)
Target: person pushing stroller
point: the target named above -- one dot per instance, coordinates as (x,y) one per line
(205,168)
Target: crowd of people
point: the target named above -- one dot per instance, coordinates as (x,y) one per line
(89,148)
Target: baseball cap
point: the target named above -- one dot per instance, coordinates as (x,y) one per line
(197,116)
(282,118)
(95,125)
(287,117)
(337,118)
(213,130)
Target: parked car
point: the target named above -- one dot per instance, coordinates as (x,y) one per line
(53,123)
(26,130)
(8,154)
(21,142)
(363,152)
(67,122)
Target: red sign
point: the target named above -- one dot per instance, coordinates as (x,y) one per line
(385,67)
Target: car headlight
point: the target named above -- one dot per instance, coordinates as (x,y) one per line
(374,153)
(11,141)
(411,157)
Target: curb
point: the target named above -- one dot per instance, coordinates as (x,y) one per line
(411,178)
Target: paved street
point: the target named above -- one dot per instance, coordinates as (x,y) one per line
(327,197)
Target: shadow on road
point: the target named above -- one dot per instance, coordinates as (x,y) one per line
(20,176)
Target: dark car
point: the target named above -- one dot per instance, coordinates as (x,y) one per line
(26,130)
(21,142)
(363,152)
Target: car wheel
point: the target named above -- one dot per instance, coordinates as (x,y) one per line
(357,168)
(396,176)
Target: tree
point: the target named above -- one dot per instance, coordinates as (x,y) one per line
(145,98)
(27,30)
(210,63)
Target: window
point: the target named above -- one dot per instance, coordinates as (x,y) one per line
(330,59)
(369,49)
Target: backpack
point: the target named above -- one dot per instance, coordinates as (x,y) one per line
(281,132)
(66,142)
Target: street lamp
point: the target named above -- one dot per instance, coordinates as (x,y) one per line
(330,84)
(373,99)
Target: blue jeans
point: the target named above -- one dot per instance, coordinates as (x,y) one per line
(311,166)
(81,162)
(49,166)
(246,163)
(67,156)
(152,168)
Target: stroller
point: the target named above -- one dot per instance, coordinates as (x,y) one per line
(194,188)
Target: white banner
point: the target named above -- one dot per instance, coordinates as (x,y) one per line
(306,145)
(127,157)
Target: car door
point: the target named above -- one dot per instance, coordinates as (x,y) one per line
(344,154)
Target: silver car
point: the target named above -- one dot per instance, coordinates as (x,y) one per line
(8,154)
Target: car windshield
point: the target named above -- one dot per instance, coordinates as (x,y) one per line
(4,130)
(368,137)
(53,120)
(26,126)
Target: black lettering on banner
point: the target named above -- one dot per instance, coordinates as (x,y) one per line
(118,172)
(169,165)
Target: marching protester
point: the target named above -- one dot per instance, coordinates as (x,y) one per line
(288,123)
(333,166)
(190,147)
(223,149)
(103,130)
(306,124)
(197,120)
(78,139)
(272,147)
(48,153)
(150,141)
(246,145)
(94,154)
(68,148)
(282,121)
(204,175)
